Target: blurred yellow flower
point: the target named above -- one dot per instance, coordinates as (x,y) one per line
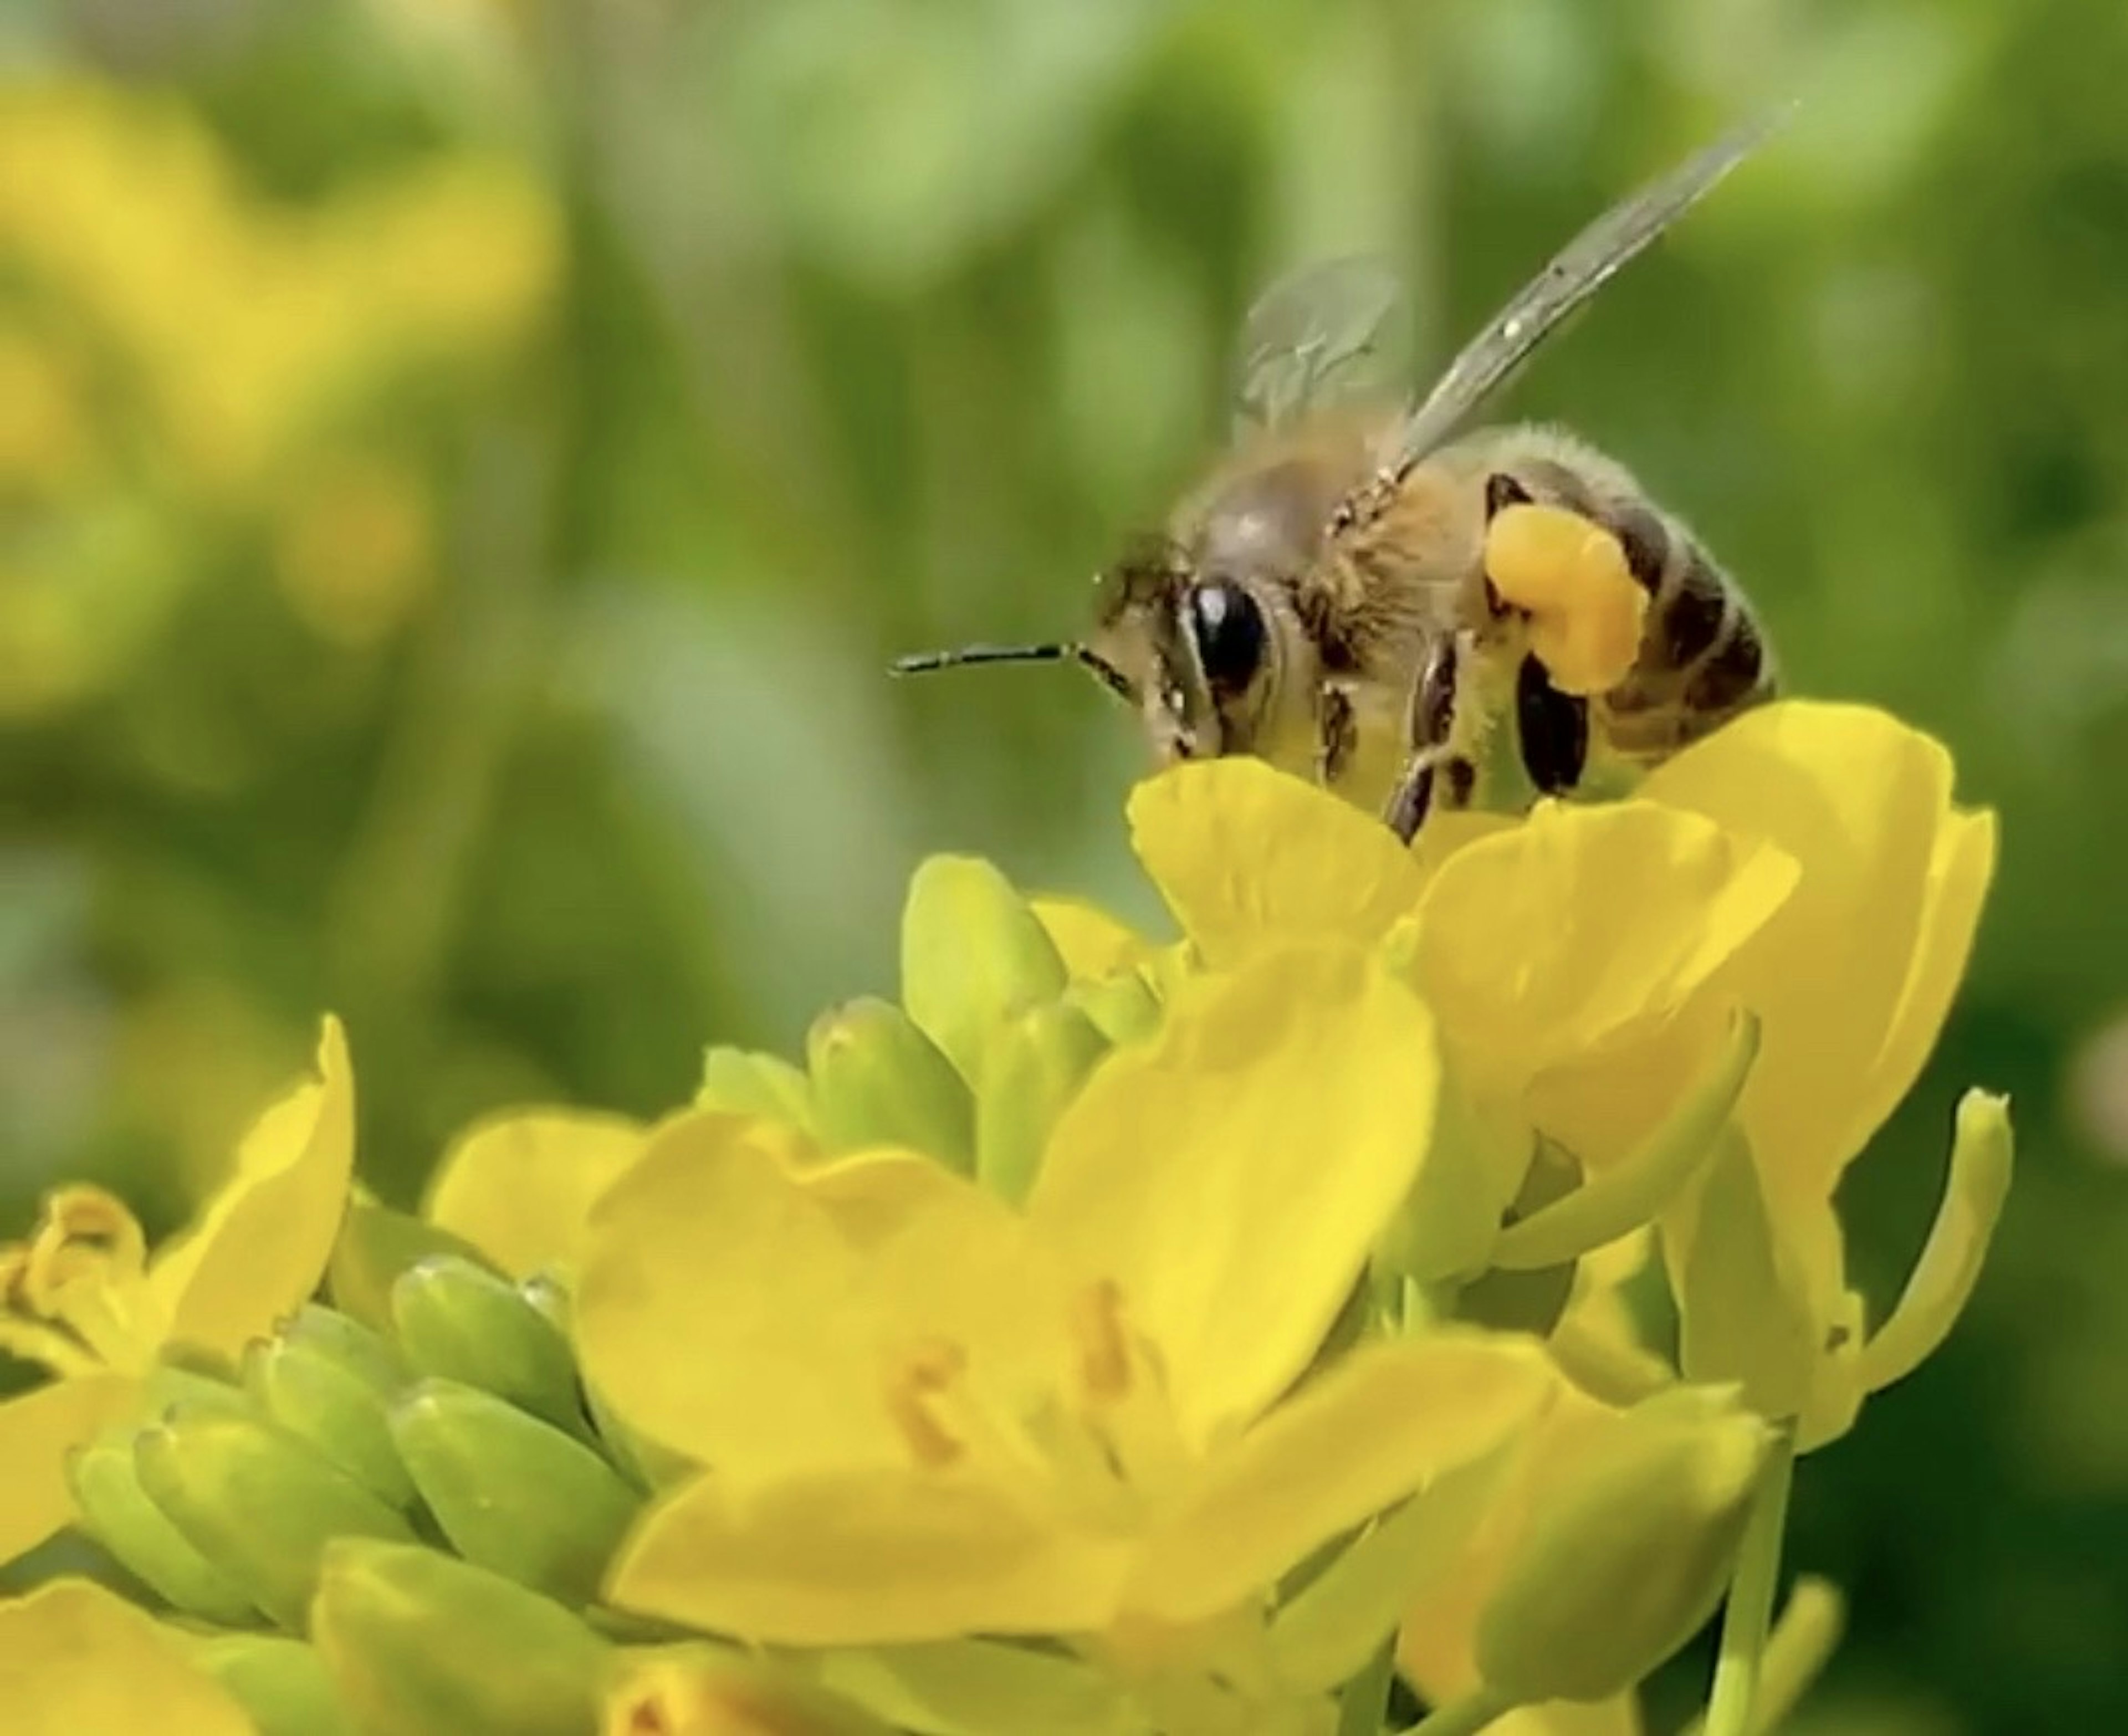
(76,1660)
(84,1297)
(182,358)
(926,1415)
(247,323)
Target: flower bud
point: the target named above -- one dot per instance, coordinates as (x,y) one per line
(972,952)
(1623,1562)
(118,1513)
(877,1080)
(344,1340)
(338,1413)
(420,1644)
(1038,1061)
(256,1502)
(375,1245)
(281,1683)
(1122,1006)
(745,1082)
(458,1320)
(510,1493)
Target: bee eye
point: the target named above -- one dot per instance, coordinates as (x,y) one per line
(1229,630)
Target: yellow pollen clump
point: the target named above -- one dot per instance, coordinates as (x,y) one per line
(1586,609)
(914,1386)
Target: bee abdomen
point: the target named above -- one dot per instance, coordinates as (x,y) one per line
(1704,655)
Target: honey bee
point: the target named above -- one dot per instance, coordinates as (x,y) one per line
(1322,601)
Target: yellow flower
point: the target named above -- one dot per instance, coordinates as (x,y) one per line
(76,1659)
(1572,940)
(84,1297)
(1851,980)
(926,1415)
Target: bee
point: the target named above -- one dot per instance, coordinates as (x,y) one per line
(1320,600)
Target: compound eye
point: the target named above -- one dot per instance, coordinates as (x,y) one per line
(1229,629)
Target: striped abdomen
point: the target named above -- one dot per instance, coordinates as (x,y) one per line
(1704,656)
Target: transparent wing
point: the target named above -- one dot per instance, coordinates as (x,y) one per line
(1577,272)
(1324,334)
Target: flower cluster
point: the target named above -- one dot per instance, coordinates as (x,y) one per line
(182,357)
(1116,1336)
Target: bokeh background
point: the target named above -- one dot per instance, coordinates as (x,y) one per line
(464,466)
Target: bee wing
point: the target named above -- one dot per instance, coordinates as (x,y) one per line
(1334,330)
(1586,264)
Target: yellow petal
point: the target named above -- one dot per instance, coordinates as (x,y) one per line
(750,1317)
(1619,1716)
(76,1659)
(1852,981)
(863,1558)
(38,1430)
(1382,1422)
(1540,945)
(1229,1174)
(520,1188)
(258,1247)
(1246,855)
(974,1687)
(1091,942)
(1958,881)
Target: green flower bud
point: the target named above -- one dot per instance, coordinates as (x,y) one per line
(367,1355)
(877,1080)
(549,1294)
(1123,1008)
(420,1644)
(375,1245)
(510,1493)
(257,1503)
(281,1683)
(338,1413)
(1038,1058)
(745,1082)
(1621,1566)
(972,952)
(464,1323)
(117,1512)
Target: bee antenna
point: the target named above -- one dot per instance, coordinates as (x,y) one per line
(923,662)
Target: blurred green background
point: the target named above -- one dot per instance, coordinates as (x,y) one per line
(464,467)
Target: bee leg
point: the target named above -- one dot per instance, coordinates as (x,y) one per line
(1432,772)
(1338,733)
(1553,729)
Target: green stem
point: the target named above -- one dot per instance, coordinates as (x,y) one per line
(1751,1606)
(1463,1717)
(1366,1695)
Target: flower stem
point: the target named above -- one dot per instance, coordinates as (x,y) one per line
(1366,1695)
(1745,1621)
(1463,1717)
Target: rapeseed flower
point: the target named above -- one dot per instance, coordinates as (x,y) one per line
(1114,1335)
(85,1296)
(924,1415)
